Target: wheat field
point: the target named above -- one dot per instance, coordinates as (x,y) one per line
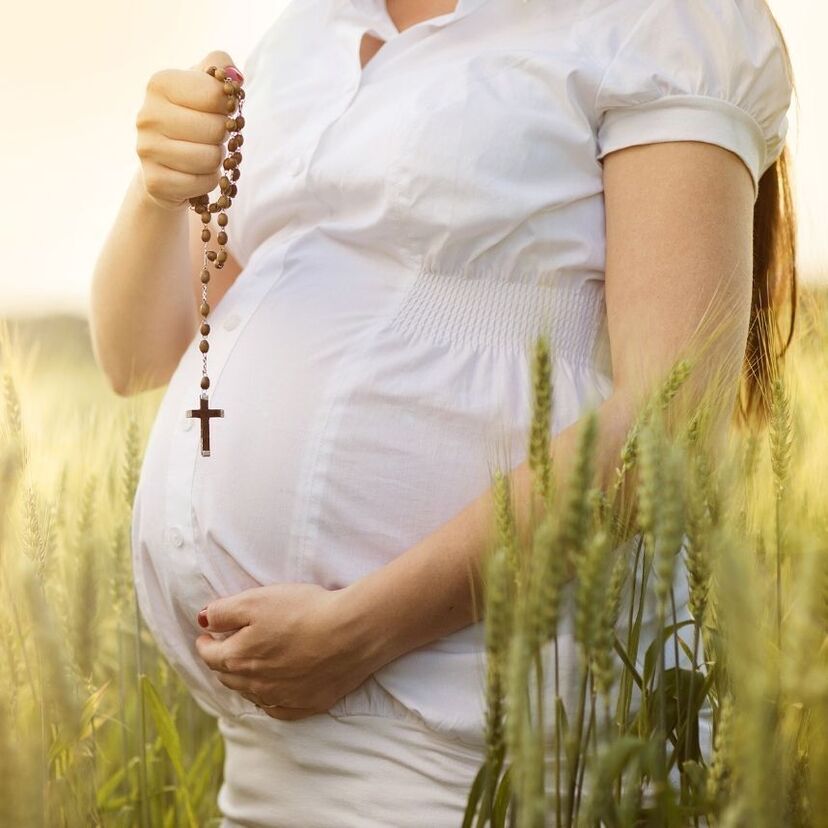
(97,729)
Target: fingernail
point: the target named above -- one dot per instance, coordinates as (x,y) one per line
(202,618)
(234,74)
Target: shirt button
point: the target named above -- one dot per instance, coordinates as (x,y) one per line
(175,537)
(230,322)
(295,167)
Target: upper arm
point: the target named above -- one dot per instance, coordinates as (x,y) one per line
(220,280)
(679,224)
(690,110)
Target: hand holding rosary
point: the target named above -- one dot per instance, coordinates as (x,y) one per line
(201,204)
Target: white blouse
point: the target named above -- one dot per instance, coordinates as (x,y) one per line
(406,231)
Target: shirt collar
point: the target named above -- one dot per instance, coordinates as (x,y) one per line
(378,10)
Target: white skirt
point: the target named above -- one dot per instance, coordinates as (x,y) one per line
(357,771)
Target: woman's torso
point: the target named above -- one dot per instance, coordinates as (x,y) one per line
(405,231)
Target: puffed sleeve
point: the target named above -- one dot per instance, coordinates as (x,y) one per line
(698,70)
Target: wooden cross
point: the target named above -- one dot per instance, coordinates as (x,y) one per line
(204,413)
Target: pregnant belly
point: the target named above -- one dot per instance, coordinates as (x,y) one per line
(343,443)
(347,437)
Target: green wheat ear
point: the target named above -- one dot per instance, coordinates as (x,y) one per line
(721,765)
(593,575)
(505,522)
(670,517)
(781,433)
(17,453)
(499,581)
(539,456)
(132,460)
(576,509)
(547,578)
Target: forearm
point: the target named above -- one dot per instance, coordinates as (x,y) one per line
(142,312)
(435,588)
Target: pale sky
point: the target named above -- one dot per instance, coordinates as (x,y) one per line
(78,73)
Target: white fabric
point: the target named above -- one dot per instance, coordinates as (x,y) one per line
(405,232)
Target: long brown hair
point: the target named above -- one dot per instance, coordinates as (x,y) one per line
(775,280)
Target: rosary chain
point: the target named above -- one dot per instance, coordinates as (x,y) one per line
(201,204)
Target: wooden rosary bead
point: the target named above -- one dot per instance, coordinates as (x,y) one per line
(204,346)
(229,163)
(230,103)
(204,329)
(205,382)
(235,174)
(204,309)
(205,276)
(223,202)
(211,255)
(221,238)
(233,190)
(219,265)
(205,234)
(206,217)
(222,219)
(222,256)
(219,75)
(228,88)
(230,124)
(239,122)
(224,183)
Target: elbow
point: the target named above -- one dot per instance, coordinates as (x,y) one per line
(115,379)
(119,386)
(111,367)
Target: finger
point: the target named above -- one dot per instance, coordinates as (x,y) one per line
(215,58)
(195,90)
(178,183)
(288,713)
(182,124)
(224,655)
(239,683)
(212,652)
(225,614)
(187,157)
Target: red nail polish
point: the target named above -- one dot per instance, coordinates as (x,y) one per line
(234,74)
(202,618)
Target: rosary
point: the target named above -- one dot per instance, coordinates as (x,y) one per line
(202,205)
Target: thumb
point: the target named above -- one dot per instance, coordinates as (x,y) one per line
(224,614)
(223,61)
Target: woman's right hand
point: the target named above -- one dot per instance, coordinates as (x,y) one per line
(181,132)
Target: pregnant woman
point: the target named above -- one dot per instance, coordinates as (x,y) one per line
(425,188)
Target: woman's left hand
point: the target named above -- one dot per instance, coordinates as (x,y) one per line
(291,644)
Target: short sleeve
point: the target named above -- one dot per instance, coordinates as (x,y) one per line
(699,70)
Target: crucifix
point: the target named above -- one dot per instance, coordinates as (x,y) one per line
(204,413)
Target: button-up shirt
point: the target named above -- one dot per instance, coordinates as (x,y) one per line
(406,229)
